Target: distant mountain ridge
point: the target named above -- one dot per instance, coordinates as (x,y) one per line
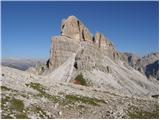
(21,64)
(148,64)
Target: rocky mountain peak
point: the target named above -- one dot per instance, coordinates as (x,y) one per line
(74,36)
(74,29)
(102,40)
(72,17)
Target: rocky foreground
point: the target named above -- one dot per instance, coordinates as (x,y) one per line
(25,95)
(85,77)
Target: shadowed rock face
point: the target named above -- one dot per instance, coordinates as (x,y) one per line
(151,65)
(153,70)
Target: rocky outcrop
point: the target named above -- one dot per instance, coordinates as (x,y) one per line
(107,45)
(75,35)
(132,60)
(148,65)
(75,52)
(75,30)
(102,41)
(152,70)
(62,48)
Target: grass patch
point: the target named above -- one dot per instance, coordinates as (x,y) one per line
(36,86)
(11,105)
(41,90)
(17,104)
(4,88)
(80,80)
(7,89)
(136,113)
(86,100)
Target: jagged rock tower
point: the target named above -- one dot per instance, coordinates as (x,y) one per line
(77,51)
(75,37)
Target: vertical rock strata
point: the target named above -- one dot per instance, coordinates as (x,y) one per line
(61,49)
(74,29)
(75,35)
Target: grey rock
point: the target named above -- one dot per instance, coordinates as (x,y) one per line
(148,65)
(73,28)
(74,36)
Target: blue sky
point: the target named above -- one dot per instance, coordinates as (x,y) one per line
(27,27)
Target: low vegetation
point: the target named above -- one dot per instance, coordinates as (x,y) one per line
(80,80)
(41,90)
(12,107)
(136,113)
(17,104)
(68,98)
(15,108)
(4,88)
(86,100)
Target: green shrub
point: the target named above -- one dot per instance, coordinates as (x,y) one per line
(17,104)
(79,79)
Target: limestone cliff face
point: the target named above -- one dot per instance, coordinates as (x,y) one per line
(77,51)
(74,29)
(61,49)
(75,35)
